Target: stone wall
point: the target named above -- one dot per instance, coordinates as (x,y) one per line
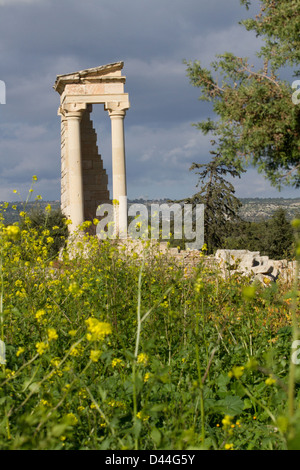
(94,176)
(226,262)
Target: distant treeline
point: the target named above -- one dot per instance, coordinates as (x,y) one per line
(271,235)
(11,211)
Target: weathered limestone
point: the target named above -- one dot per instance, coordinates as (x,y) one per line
(225,262)
(250,263)
(83,179)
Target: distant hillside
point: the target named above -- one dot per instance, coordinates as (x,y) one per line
(257,209)
(11,215)
(253,209)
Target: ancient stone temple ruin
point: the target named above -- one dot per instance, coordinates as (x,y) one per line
(84,182)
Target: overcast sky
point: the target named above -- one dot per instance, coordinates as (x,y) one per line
(40,39)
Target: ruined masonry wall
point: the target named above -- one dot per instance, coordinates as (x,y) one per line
(94,176)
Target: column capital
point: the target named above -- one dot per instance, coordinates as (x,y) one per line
(74,110)
(116,108)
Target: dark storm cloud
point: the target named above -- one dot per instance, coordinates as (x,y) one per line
(40,39)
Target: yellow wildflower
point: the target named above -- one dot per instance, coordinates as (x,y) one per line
(94,355)
(72,332)
(199,285)
(41,347)
(237,372)
(55,361)
(295,223)
(9,373)
(115,362)
(97,330)
(52,335)
(146,377)
(13,232)
(72,419)
(270,381)
(226,421)
(39,314)
(76,351)
(74,288)
(229,446)
(141,416)
(20,351)
(142,359)
(45,402)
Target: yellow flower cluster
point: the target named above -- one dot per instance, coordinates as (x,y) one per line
(228,446)
(199,285)
(72,419)
(270,381)
(142,359)
(237,372)
(76,351)
(52,335)
(94,355)
(140,415)
(227,421)
(12,232)
(116,404)
(97,330)
(41,347)
(117,362)
(146,377)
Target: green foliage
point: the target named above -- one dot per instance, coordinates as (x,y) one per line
(111,350)
(278,24)
(257,122)
(220,205)
(273,237)
(49,226)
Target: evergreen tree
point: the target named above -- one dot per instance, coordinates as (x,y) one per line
(217,195)
(257,121)
(280,236)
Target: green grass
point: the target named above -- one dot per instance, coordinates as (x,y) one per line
(115,351)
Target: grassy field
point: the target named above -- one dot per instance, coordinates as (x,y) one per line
(109,351)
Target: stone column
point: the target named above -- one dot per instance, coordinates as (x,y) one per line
(73,113)
(117,113)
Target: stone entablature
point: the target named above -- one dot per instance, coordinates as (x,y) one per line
(83,179)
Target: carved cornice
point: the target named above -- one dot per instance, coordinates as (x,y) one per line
(101,73)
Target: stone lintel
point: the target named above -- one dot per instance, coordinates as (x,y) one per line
(121,98)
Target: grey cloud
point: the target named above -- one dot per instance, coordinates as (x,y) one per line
(40,39)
